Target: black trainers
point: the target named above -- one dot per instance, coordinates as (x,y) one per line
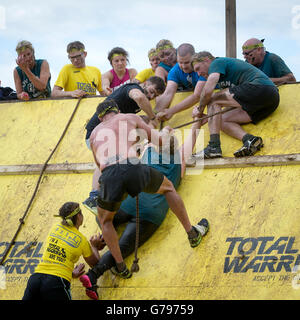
(125,274)
(210,152)
(91,204)
(250,147)
(201,228)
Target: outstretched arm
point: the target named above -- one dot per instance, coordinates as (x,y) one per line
(163,102)
(109,233)
(188,102)
(288,78)
(189,144)
(59,92)
(106,80)
(161,72)
(207,91)
(147,131)
(143,102)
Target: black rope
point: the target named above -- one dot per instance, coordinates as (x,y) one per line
(205,117)
(135,266)
(12,242)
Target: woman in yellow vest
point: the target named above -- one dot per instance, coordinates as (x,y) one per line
(63,247)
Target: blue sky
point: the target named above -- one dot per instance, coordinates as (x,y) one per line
(137,26)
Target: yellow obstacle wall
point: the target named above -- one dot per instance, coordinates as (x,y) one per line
(253,244)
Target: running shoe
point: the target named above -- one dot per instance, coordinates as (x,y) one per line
(90,289)
(250,147)
(91,204)
(210,152)
(125,274)
(201,228)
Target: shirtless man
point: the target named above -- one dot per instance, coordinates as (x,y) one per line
(130,98)
(113,146)
(153,208)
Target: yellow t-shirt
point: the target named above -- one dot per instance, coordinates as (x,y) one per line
(145,74)
(87,79)
(63,247)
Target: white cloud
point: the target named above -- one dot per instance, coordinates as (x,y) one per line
(139,25)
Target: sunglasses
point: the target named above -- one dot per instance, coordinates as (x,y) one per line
(247,53)
(76,57)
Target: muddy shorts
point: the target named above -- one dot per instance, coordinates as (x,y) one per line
(259,101)
(126,177)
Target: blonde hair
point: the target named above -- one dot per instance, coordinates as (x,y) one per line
(152,53)
(164,45)
(23,45)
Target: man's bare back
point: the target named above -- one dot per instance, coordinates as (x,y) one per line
(114,139)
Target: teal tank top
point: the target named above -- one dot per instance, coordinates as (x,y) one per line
(29,87)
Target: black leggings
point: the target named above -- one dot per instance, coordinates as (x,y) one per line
(126,241)
(41,286)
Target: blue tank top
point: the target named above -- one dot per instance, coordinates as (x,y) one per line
(154,207)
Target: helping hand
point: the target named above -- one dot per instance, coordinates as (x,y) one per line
(98,241)
(78,93)
(78,270)
(154,123)
(24,96)
(107,91)
(164,115)
(196,113)
(21,62)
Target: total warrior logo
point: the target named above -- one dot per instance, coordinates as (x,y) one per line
(263,254)
(20,262)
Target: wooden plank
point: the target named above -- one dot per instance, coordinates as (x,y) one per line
(220,163)
(231,28)
(254,161)
(61,168)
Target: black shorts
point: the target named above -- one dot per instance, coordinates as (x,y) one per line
(259,101)
(126,177)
